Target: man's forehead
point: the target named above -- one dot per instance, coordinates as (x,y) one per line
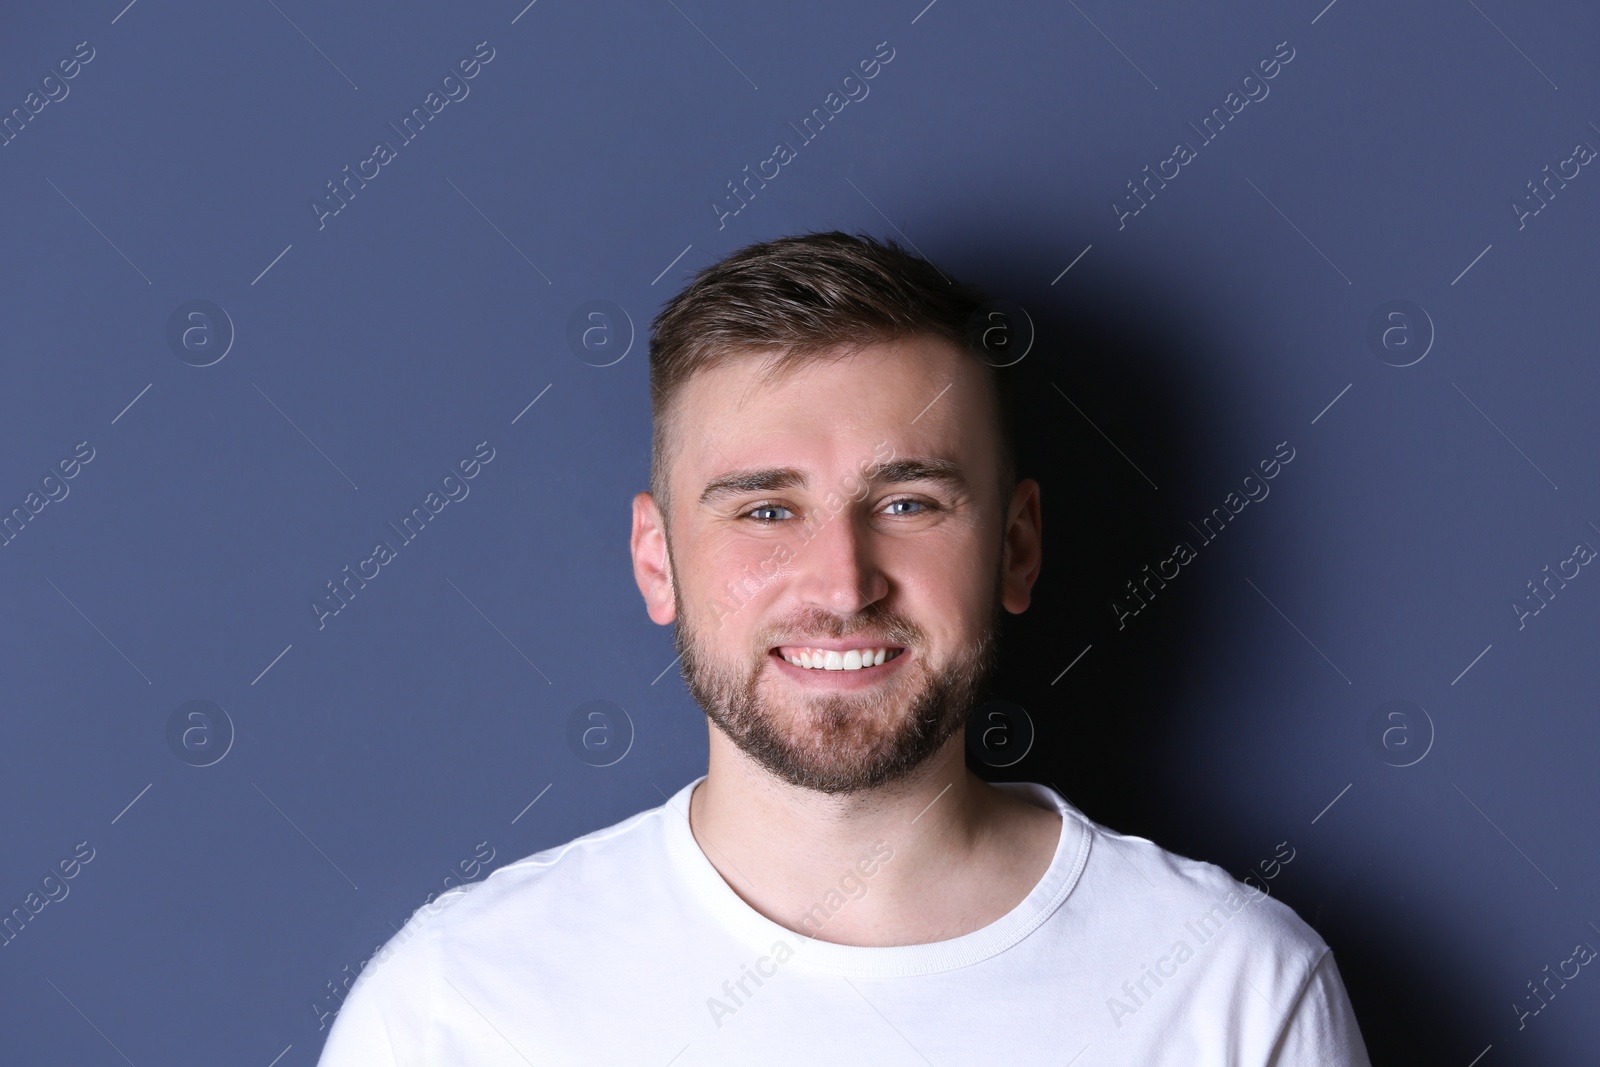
(825,419)
(868,392)
(884,467)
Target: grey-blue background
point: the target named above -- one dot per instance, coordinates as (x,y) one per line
(1246,705)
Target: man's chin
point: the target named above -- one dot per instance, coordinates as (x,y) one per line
(833,743)
(839,731)
(867,717)
(841,736)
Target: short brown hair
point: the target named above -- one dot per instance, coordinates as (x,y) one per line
(797,297)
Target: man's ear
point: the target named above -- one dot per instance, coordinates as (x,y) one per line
(652,568)
(1023,547)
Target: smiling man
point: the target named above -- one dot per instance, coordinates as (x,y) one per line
(834,525)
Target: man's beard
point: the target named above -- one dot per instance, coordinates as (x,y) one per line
(841,742)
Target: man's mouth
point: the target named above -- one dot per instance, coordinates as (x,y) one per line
(861,657)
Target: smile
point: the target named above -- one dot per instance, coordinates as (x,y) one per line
(829,659)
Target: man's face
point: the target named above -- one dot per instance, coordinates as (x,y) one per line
(836,558)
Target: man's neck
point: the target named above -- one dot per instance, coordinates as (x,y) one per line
(934,856)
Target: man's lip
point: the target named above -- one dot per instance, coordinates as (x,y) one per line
(839,646)
(841,680)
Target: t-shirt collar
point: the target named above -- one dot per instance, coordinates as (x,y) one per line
(707,886)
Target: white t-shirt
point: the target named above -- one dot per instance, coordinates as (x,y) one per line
(627,947)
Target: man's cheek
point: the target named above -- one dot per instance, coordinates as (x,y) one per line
(722,612)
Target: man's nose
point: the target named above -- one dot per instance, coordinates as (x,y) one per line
(838,569)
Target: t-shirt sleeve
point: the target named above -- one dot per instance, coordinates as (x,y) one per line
(385,1018)
(1321,1030)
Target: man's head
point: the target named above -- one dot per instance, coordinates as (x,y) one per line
(831,474)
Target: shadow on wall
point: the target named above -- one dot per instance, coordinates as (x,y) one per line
(1136,364)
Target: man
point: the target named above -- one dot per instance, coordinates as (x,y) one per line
(834,524)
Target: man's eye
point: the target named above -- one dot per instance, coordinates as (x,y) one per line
(774,513)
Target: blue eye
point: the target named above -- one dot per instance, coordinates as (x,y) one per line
(769,514)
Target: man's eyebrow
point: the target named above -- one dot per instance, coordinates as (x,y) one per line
(771,479)
(939,471)
(755,480)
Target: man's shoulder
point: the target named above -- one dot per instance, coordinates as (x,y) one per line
(539,887)
(1134,880)
(543,906)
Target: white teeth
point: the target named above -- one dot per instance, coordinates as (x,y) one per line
(853,660)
